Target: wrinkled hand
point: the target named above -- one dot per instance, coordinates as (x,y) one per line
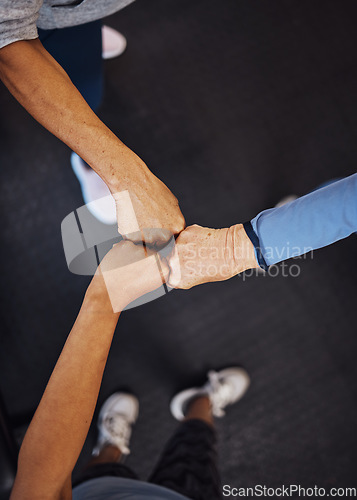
(204,255)
(151,208)
(130,271)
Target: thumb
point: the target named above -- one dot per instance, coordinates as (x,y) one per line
(161,263)
(175,269)
(127,221)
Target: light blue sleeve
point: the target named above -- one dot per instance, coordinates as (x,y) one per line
(310,222)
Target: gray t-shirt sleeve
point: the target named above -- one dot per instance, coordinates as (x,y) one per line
(118,488)
(18,20)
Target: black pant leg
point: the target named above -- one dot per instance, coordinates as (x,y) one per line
(188,464)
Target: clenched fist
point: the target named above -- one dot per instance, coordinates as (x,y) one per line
(204,255)
(149,211)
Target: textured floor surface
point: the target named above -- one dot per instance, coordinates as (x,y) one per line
(233,104)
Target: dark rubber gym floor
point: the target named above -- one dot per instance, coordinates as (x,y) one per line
(233,104)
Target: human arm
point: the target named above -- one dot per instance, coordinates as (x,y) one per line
(59,427)
(41,85)
(204,255)
(308,223)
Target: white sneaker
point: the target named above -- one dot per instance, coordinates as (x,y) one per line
(96,194)
(116,417)
(223,388)
(113,43)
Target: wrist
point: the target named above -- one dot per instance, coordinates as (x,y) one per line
(97,298)
(241,249)
(123,169)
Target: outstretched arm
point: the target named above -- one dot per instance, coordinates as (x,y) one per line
(41,85)
(308,223)
(59,427)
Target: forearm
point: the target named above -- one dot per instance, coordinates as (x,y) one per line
(41,85)
(59,427)
(308,223)
(58,430)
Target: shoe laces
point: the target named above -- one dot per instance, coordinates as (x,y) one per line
(118,430)
(220,393)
